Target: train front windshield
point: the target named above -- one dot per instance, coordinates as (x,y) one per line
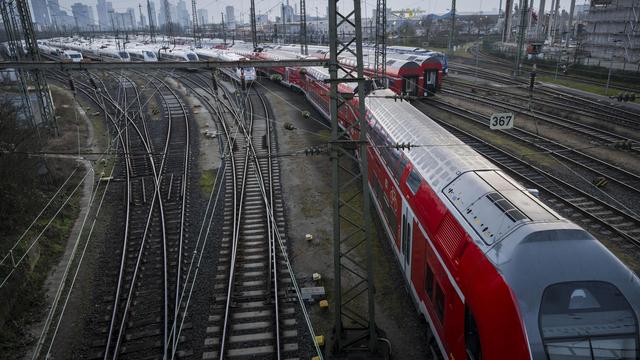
(150,54)
(123,54)
(588,320)
(192,57)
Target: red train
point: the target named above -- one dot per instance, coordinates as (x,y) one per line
(404,76)
(495,272)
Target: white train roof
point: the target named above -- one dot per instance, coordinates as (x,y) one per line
(441,156)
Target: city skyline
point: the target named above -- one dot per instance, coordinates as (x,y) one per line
(272,8)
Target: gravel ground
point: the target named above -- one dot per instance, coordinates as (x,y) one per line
(308,197)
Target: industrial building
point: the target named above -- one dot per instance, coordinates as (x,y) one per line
(611,35)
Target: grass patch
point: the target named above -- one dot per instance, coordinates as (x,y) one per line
(207,181)
(595,89)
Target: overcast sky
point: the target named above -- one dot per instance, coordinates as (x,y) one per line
(242,6)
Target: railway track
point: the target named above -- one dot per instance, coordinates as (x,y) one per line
(578,107)
(254,312)
(603,137)
(154,175)
(594,214)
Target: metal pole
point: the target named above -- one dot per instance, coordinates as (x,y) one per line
(522,29)
(304,49)
(606,89)
(506,36)
(453,25)
(570,25)
(254,31)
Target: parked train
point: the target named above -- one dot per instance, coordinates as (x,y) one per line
(495,272)
(248,73)
(142,54)
(177,55)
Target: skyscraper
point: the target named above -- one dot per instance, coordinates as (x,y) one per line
(153,20)
(230,14)
(83,15)
(103,14)
(40,13)
(183,15)
(203,16)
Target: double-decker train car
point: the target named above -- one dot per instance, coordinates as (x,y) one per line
(420,51)
(248,73)
(495,272)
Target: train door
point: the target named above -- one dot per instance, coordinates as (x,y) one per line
(406,237)
(430,81)
(411,86)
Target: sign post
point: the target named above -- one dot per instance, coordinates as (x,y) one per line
(501,121)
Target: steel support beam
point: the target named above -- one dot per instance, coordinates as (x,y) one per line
(452,31)
(506,33)
(254,28)
(166,65)
(354,328)
(522,29)
(15,51)
(380,49)
(304,48)
(197,41)
(45,101)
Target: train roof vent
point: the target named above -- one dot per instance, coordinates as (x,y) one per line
(412,57)
(493,205)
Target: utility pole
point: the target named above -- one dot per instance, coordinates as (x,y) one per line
(380,49)
(15,45)
(522,29)
(304,48)
(197,42)
(254,28)
(570,25)
(284,28)
(224,33)
(141,17)
(151,22)
(554,28)
(453,25)
(354,328)
(540,26)
(507,21)
(45,101)
(167,19)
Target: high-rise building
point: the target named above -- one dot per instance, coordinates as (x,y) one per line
(131,21)
(230,14)
(40,13)
(103,14)
(183,14)
(162,15)
(610,37)
(54,8)
(83,15)
(153,20)
(203,16)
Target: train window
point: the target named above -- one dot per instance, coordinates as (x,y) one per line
(471,336)
(413,181)
(587,320)
(439,300)
(428,281)
(399,169)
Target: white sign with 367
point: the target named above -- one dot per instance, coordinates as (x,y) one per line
(501,121)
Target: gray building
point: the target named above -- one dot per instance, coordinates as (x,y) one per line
(83,15)
(610,37)
(183,15)
(102,9)
(41,13)
(230,17)
(153,20)
(203,16)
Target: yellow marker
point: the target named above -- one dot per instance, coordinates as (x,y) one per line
(324,304)
(320,340)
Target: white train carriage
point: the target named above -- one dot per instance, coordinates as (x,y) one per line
(109,54)
(71,56)
(177,55)
(236,73)
(142,54)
